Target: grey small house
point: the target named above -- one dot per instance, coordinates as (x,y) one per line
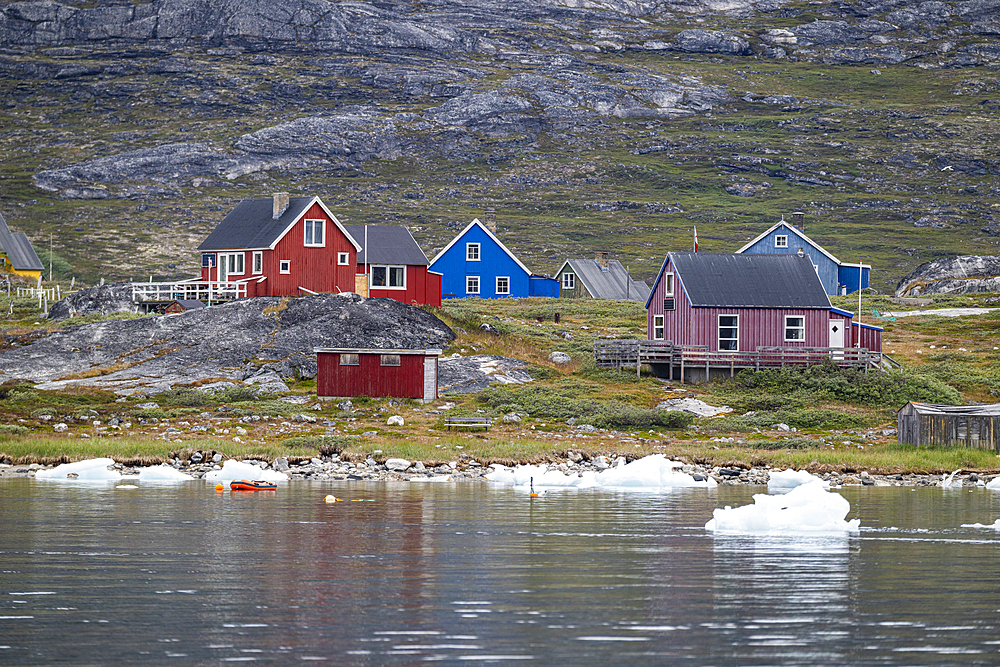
(599,278)
(976,426)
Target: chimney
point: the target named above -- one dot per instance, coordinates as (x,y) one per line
(800,252)
(280,204)
(603,260)
(798,220)
(490,220)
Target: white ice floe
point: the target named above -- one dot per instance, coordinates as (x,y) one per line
(948,481)
(995,525)
(652,473)
(994,484)
(784,480)
(239,470)
(808,509)
(163,474)
(90,470)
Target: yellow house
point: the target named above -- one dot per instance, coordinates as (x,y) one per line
(16,254)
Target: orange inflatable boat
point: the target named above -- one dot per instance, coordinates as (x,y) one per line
(252,485)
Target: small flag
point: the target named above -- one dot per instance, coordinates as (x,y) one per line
(696,239)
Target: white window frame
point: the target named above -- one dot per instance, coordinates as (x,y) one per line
(659,331)
(801,328)
(309,234)
(718,332)
(257,262)
(473,252)
(285,266)
(234,263)
(569,280)
(781,241)
(469,284)
(343,258)
(389,269)
(506,290)
(668,285)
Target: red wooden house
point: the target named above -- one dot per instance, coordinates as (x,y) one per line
(392,266)
(363,372)
(740,303)
(282,246)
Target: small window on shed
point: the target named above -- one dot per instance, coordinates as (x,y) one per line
(349,360)
(390,360)
(668,284)
(285,266)
(781,241)
(343,258)
(658,330)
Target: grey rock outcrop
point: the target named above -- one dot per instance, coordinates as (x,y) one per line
(241,341)
(712,41)
(102,300)
(953,275)
(466,375)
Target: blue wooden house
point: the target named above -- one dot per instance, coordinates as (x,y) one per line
(785,238)
(477,264)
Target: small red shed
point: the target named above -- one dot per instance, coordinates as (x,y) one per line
(182,306)
(366,372)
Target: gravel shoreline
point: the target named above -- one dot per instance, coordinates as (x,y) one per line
(332,468)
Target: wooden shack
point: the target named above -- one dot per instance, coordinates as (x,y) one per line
(366,372)
(182,306)
(976,426)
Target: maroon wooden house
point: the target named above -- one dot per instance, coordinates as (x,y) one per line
(733,303)
(364,372)
(282,246)
(392,266)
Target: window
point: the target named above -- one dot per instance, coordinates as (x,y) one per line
(258,262)
(472,284)
(503,285)
(208,260)
(285,266)
(658,330)
(472,252)
(729,327)
(781,241)
(388,277)
(314,232)
(668,304)
(668,284)
(390,360)
(232,263)
(343,258)
(349,360)
(795,327)
(569,281)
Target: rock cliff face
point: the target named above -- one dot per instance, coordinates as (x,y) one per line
(953,275)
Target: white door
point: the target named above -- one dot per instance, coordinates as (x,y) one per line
(836,333)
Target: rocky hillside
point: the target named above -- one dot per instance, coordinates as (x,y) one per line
(130,129)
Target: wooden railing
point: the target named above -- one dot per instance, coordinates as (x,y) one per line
(634,353)
(208,291)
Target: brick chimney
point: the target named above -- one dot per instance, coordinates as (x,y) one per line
(490,220)
(798,221)
(603,260)
(280,204)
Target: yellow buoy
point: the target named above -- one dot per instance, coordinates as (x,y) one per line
(218,487)
(331,499)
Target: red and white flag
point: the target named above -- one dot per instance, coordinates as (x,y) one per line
(696,239)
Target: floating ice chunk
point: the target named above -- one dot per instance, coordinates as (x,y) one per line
(808,508)
(789,479)
(994,484)
(239,470)
(948,481)
(995,525)
(651,473)
(163,474)
(90,470)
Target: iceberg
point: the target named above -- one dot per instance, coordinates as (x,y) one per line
(807,509)
(789,479)
(90,470)
(163,474)
(241,470)
(651,473)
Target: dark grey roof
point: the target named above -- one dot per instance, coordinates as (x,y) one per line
(18,249)
(189,304)
(611,284)
(250,224)
(390,245)
(749,281)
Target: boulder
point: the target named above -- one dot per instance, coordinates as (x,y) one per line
(560,358)
(712,41)
(464,375)
(397,465)
(395,420)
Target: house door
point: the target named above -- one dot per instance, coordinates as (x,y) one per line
(836,333)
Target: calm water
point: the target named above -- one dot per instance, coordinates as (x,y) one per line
(475,574)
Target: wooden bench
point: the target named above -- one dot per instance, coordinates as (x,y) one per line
(468,422)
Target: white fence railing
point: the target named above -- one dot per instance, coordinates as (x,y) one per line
(207,291)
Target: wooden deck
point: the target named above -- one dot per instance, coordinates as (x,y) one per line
(698,358)
(207,291)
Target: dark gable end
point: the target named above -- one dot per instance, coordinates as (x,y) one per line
(749,281)
(251,225)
